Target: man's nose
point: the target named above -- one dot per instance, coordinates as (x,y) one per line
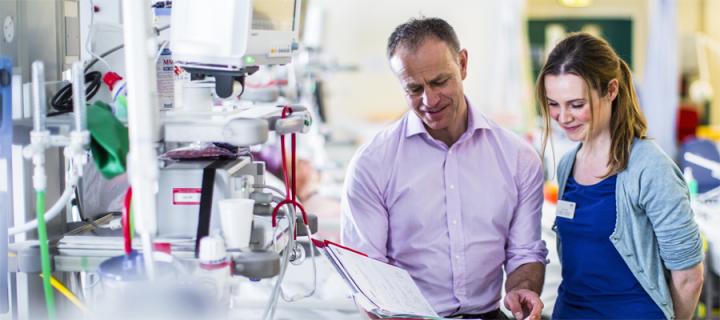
(430,97)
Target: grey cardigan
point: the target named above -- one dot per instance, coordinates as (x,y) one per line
(654,231)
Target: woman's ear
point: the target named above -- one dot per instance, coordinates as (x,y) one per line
(612,90)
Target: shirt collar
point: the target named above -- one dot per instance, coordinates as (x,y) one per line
(476,121)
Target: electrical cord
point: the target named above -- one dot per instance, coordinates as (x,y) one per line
(269,311)
(298,297)
(62,101)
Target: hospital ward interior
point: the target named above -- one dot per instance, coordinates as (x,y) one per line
(359,159)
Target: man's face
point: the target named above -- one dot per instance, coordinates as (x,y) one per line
(431,77)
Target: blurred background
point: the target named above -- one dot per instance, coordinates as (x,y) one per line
(672,47)
(340,72)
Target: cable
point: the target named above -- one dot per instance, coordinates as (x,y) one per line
(298,297)
(118,47)
(269,311)
(104,54)
(77,202)
(62,100)
(50,214)
(91,32)
(60,287)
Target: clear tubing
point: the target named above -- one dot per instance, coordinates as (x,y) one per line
(78,89)
(38,94)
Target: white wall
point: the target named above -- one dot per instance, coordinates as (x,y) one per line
(633,9)
(711,26)
(356,33)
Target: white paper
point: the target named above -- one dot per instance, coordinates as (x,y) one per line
(389,287)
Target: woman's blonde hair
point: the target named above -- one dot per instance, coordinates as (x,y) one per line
(592,59)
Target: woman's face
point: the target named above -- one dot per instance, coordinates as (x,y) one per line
(568,103)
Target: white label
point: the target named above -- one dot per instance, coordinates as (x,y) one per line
(565,209)
(186,196)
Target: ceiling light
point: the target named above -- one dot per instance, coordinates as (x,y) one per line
(576,3)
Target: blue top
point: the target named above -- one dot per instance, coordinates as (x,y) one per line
(596,283)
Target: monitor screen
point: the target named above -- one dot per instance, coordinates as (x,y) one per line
(275,15)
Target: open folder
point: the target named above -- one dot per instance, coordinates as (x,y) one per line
(380,288)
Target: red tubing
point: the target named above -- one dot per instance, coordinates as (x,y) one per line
(125,220)
(290,181)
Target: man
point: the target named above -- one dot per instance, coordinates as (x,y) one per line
(445,193)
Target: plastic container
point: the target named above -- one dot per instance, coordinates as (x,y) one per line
(166,79)
(118,94)
(691,182)
(213,273)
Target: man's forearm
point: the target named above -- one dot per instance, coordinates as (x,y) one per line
(528,276)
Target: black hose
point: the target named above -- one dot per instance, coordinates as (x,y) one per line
(62,101)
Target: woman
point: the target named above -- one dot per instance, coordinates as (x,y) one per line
(628,244)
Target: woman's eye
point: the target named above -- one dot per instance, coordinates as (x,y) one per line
(578,106)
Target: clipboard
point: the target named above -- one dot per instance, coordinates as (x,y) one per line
(380,288)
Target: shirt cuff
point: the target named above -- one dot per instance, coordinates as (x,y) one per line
(530,253)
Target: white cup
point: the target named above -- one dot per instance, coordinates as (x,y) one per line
(236,217)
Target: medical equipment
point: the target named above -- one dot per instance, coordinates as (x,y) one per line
(229,39)
(6,133)
(174,204)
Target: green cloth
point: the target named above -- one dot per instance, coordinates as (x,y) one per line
(109,142)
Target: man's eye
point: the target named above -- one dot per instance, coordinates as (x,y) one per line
(413,90)
(441,82)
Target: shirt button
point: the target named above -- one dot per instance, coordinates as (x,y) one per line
(457,257)
(454,221)
(449,151)
(641,270)
(452,186)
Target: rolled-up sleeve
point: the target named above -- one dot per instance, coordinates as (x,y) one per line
(524,243)
(664,197)
(364,221)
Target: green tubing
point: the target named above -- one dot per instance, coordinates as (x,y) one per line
(45,254)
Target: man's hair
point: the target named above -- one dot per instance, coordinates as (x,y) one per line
(411,34)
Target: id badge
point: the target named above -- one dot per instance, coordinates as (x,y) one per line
(565,209)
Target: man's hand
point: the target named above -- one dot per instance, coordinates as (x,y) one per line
(523,287)
(524,304)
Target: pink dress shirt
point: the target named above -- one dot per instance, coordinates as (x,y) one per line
(452,217)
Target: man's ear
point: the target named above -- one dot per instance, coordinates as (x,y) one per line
(463,60)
